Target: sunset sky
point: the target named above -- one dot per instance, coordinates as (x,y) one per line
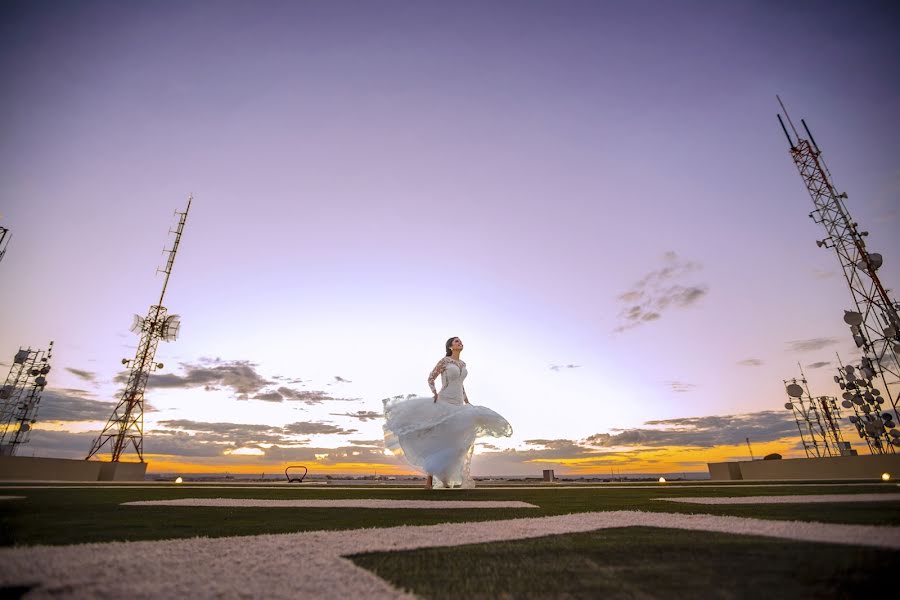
(371,178)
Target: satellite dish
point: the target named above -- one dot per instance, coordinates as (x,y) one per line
(788,405)
(876,392)
(847,396)
(137,324)
(866,409)
(851,317)
(169,328)
(842,386)
(40,381)
(869,397)
(895,433)
(854,418)
(859,341)
(25,427)
(837,379)
(794,390)
(887,416)
(874,258)
(847,404)
(857,400)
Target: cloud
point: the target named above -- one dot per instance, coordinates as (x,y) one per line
(269,397)
(314,428)
(818,365)
(659,291)
(750,362)
(310,397)
(811,344)
(85,375)
(362,415)
(561,367)
(378,443)
(705,432)
(63,405)
(211,374)
(680,386)
(339,379)
(823,274)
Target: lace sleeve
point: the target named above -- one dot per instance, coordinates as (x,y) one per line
(435,373)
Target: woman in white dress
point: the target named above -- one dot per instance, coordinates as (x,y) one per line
(437,434)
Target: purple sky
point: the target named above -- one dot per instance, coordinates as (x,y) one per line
(371,178)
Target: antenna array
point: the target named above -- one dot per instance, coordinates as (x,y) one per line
(875,324)
(125,426)
(21,395)
(818,420)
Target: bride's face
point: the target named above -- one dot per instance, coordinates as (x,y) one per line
(456,345)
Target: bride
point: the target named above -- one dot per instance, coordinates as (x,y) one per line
(437,434)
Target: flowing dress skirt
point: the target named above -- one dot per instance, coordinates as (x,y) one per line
(438,437)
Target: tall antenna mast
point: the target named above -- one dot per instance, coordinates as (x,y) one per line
(21,395)
(875,322)
(5,236)
(126,425)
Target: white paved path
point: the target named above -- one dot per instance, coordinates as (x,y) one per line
(310,564)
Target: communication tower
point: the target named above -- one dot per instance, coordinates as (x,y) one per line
(5,236)
(21,395)
(817,438)
(875,323)
(126,425)
(872,421)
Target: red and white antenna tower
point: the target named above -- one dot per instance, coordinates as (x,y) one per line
(126,425)
(874,323)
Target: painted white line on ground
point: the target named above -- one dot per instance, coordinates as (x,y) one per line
(802,499)
(357,503)
(311,564)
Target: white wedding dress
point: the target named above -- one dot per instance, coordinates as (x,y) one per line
(438,437)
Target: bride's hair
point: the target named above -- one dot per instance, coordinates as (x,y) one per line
(447,345)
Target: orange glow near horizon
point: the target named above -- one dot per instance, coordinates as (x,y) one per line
(673,459)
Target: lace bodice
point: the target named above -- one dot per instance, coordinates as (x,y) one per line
(452,374)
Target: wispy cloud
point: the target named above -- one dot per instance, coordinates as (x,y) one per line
(750,362)
(310,397)
(812,344)
(362,415)
(85,375)
(659,291)
(818,365)
(316,428)
(681,386)
(561,367)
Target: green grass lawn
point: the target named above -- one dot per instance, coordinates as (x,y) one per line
(71,515)
(638,562)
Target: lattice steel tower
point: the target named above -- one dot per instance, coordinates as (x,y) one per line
(21,395)
(4,240)
(126,425)
(874,323)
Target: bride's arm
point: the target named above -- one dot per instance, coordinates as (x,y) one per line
(435,373)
